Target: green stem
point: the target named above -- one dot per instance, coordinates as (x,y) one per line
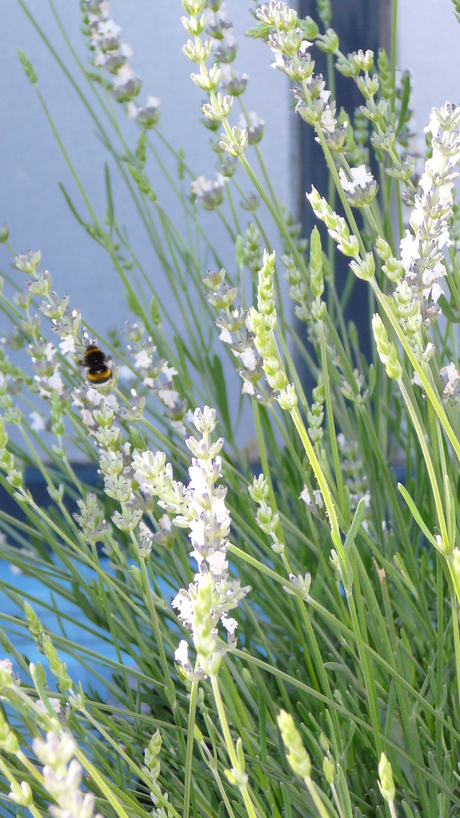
(368,675)
(431,395)
(244,789)
(264,464)
(154,618)
(324,813)
(310,452)
(429,464)
(190,745)
(100,782)
(455,598)
(331,424)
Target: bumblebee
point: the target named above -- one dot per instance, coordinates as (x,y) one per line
(97,365)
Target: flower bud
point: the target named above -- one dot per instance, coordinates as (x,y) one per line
(328,42)
(383,249)
(21,794)
(27,262)
(235,144)
(194,26)
(287,398)
(364,269)
(194,7)
(297,755)
(207,80)
(316,264)
(329,770)
(386,783)
(27,66)
(364,61)
(259,490)
(349,247)
(387,351)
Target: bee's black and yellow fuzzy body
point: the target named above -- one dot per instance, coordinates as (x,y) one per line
(97,368)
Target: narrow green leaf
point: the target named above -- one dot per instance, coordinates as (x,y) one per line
(404,101)
(371,378)
(155,311)
(354,528)
(71,206)
(133,303)
(181,164)
(183,352)
(108,189)
(286,801)
(416,514)
(261,31)
(221,393)
(451,314)
(343,792)
(450,508)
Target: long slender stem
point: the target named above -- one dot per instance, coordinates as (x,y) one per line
(331,424)
(190,744)
(244,789)
(318,472)
(324,813)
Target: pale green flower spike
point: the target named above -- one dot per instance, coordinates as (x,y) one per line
(387,351)
(386,783)
(297,755)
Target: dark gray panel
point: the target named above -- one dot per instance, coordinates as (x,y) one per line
(359,24)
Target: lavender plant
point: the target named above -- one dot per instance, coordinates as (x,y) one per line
(331,547)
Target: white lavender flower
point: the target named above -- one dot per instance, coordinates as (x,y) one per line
(422,248)
(27,262)
(255,127)
(112,54)
(278,15)
(67,345)
(235,144)
(38,422)
(62,776)
(126,84)
(209,194)
(147,117)
(6,672)
(201,508)
(450,379)
(361,188)
(49,384)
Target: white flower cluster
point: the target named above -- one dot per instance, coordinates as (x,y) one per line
(450,379)
(62,775)
(361,188)
(111,53)
(289,43)
(422,249)
(200,507)
(422,267)
(236,331)
(42,353)
(157,376)
(255,126)
(209,194)
(209,18)
(48,380)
